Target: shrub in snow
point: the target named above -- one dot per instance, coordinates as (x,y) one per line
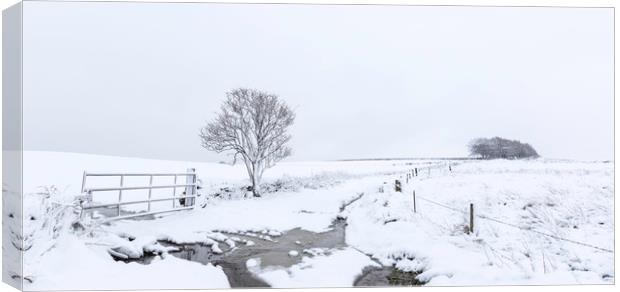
(46,218)
(11,241)
(282,184)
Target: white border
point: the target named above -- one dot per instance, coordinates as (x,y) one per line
(571,3)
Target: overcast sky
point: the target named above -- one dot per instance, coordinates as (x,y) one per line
(140,79)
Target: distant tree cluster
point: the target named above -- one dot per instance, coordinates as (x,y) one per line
(497,147)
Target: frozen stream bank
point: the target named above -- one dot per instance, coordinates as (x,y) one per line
(245,264)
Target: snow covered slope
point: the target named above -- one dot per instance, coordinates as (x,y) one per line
(65,169)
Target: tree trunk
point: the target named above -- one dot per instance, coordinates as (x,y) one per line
(255,181)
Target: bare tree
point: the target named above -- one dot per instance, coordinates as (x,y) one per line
(251,124)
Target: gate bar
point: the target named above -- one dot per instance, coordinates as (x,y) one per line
(145,214)
(134,202)
(139,174)
(138,188)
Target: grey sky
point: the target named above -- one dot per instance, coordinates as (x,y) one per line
(140,79)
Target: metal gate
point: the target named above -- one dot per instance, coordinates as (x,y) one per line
(184,201)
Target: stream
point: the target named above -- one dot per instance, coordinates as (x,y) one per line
(276,253)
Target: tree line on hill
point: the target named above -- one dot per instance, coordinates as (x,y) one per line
(497,147)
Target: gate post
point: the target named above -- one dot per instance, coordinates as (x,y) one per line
(190,189)
(414,206)
(471,218)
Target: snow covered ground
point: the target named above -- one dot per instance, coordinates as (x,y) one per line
(569,200)
(572,200)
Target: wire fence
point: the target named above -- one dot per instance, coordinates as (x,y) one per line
(517,226)
(485,217)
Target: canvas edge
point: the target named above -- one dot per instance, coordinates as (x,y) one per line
(12,146)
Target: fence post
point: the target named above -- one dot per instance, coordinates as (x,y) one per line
(414,206)
(120,196)
(83,182)
(82,194)
(174,193)
(90,199)
(150,192)
(397,186)
(471,218)
(190,189)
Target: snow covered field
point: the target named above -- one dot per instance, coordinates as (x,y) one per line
(569,200)
(564,199)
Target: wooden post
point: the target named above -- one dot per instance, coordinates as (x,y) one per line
(190,190)
(414,206)
(83,182)
(150,192)
(195,187)
(88,196)
(471,218)
(89,200)
(174,193)
(120,195)
(397,186)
